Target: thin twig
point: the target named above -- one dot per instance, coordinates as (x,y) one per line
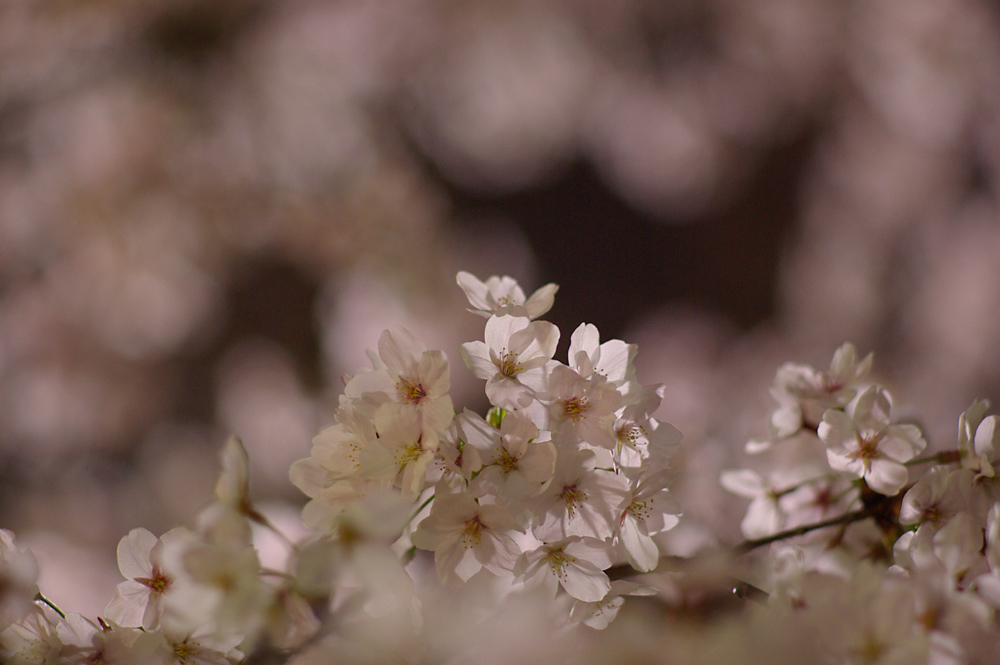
(846,518)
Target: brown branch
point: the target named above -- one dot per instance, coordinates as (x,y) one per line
(846,518)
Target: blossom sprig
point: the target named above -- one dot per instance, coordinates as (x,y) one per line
(567,450)
(435,531)
(921,543)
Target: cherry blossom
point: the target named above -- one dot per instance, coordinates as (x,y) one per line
(582,409)
(516,464)
(411,377)
(515,359)
(502,295)
(466,536)
(612,359)
(576,564)
(138,600)
(863,443)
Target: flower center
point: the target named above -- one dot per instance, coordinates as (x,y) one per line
(576,407)
(158,583)
(867,448)
(630,433)
(410,390)
(558,560)
(185,651)
(408,453)
(640,510)
(472,533)
(507,462)
(508,365)
(829,384)
(573,497)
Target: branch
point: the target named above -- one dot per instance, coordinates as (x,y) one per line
(846,518)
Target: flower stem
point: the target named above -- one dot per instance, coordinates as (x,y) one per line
(943,457)
(39,597)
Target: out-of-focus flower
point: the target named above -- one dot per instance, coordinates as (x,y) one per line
(18,580)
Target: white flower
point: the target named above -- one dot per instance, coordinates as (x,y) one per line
(937,496)
(979,439)
(217,585)
(863,444)
(514,359)
(456,457)
(33,640)
(18,577)
(337,448)
(500,295)
(170,646)
(648,509)
(515,464)
(138,601)
(402,451)
(582,409)
(645,445)
(764,515)
(86,643)
(612,359)
(576,564)
(805,393)
(232,508)
(466,537)
(412,377)
(580,501)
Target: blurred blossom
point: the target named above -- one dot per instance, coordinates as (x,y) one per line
(72,575)
(137,292)
(499,94)
(657,155)
(926,66)
(261,401)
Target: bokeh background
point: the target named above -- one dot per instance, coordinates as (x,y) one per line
(210,209)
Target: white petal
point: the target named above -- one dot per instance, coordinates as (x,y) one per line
(133,553)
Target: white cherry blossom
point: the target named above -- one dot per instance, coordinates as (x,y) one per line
(576,564)
(863,443)
(411,377)
(581,500)
(32,640)
(138,600)
(612,359)
(516,464)
(502,295)
(647,509)
(466,536)
(515,359)
(582,409)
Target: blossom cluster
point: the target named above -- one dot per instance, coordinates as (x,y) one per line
(884,555)
(439,535)
(565,475)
